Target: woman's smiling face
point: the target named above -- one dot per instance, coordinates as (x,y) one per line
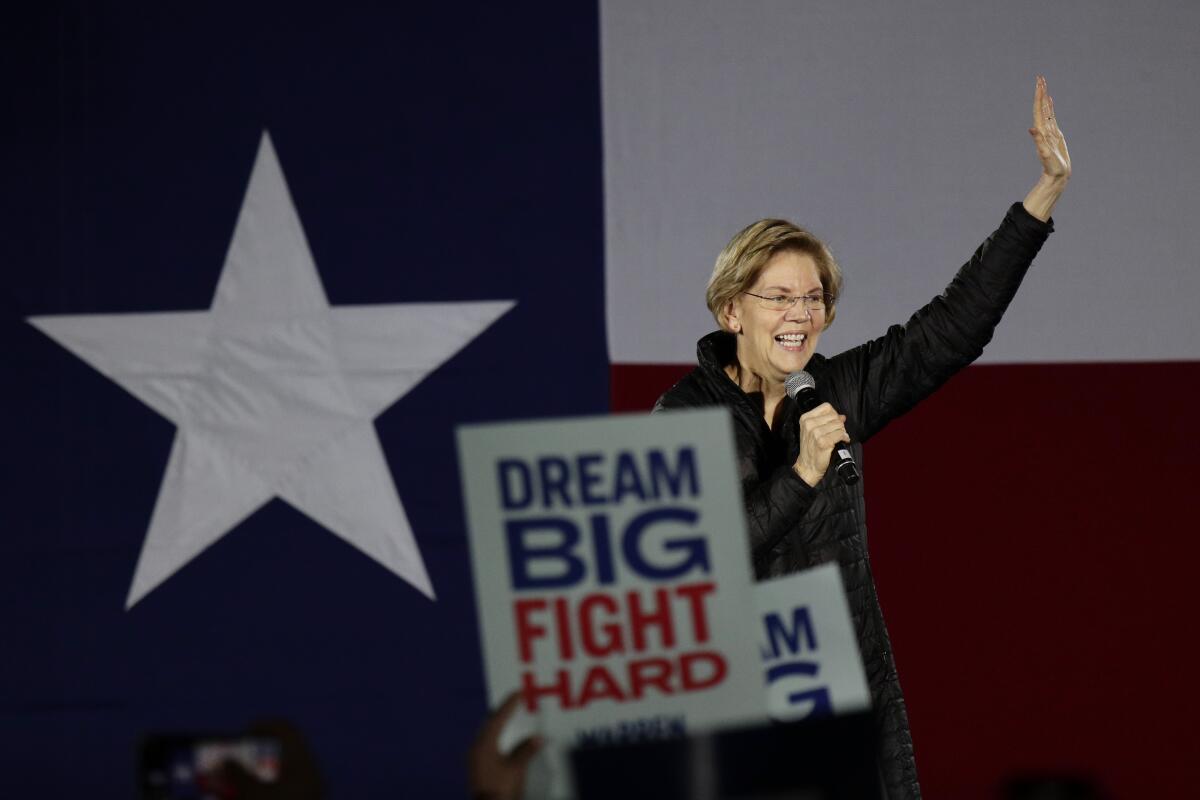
(774,344)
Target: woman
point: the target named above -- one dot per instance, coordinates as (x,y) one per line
(773,291)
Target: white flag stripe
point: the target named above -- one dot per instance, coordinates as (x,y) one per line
(898,134)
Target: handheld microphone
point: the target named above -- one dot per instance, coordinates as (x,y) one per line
(801,387)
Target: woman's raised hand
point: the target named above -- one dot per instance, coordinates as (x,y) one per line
(1051,144)
(1052,151)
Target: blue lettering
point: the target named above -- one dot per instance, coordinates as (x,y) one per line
(639,730)
(685,471)
(627,480)
(778,631)
(589,477)
(602,542)
(555,475)
(518,495)
(822,703)
(695,548)
(807,669)
(521,553)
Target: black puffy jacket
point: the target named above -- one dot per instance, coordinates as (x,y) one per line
(793,526)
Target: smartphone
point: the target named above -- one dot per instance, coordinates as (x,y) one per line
(175,766)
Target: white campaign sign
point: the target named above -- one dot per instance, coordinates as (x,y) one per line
(811,661)
(612,577)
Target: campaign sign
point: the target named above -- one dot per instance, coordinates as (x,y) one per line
(810,656)
(612,575)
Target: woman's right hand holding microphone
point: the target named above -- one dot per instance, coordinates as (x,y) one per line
(820,430)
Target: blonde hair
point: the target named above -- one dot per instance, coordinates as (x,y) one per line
(740,263)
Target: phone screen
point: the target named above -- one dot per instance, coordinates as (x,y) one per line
(188,766)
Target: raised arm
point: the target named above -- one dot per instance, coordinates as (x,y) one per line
(884,378)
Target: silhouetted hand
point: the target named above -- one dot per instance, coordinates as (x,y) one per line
(491,775)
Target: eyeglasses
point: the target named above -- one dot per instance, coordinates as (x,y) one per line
(782,302)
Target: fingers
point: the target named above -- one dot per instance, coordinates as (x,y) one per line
(833,432)
(523,753)
(821,413)
(824,426)
(1043,107)
(1044,118)
(1055,133)
(823,410)
(827,436)
(1049,138)
(1051,119)
(496,721)
(509,706)
(820,431)
(1039,94)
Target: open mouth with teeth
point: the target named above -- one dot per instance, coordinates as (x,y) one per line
(792,341)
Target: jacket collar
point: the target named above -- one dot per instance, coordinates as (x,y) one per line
(716,350)
(713,353)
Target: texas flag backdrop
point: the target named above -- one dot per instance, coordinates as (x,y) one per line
(260,260)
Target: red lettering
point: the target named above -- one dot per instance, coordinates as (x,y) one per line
(614,642)
(561,689)
(645,672)
(563,626)
(717,670)
(695,593)
(598,685)
(528,631)
(691,672)
(640,620)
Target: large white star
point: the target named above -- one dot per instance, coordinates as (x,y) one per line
(273,391)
